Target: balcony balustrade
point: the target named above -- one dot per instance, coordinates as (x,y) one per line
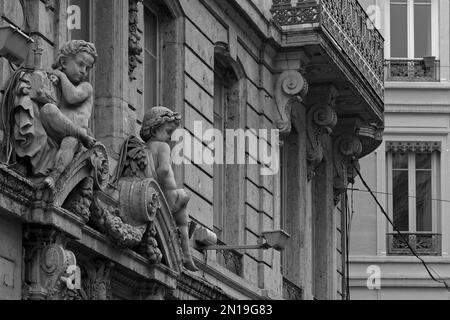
(413,70)
(348,26)
(424,243)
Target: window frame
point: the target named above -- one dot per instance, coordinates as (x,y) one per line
(219,171)
(158,89)
(435,194)
(410,31)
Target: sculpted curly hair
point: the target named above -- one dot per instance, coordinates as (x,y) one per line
(73,47)
(155,119)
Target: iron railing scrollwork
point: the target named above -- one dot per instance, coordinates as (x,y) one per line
(230,259)
(424,243)
(348,24)
(412,70)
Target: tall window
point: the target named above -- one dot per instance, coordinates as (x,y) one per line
(413,189)
(151,57)
(220,116)
(413,185)
(411,28)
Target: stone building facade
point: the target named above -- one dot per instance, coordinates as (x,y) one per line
(313,70)
(417,126)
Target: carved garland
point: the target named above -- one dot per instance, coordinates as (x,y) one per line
(134,46)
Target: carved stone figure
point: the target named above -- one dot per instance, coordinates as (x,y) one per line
(51,111)
(157,129)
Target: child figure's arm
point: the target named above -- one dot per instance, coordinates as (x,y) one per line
(164,169)
(72,94)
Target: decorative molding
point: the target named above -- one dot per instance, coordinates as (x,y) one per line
(413,146)
(347,148)
(291,88)
(134,45)
(190,286)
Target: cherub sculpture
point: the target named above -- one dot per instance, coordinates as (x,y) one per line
(158,126)
(67,123)
(47,113)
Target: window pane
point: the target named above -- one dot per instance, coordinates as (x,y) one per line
(423,201)
(151,32)
(79,20)
(151,81)
(400,199)
(219,169)
(422,28)
(400,161)
(399,29)
(423,161)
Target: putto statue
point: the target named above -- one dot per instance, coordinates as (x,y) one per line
(157,129)
(50,112)
(67,123)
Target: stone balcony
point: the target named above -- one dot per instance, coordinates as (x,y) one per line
(340,46)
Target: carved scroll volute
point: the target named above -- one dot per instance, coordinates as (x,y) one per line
(347,149)
(321,119)
(291,88)
(51,273)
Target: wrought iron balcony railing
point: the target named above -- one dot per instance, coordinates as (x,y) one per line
(424,243)
(230,259)
(413,70)
(349,26)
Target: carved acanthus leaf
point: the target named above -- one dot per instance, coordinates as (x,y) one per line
(96,282)
(321,120)
(347,149)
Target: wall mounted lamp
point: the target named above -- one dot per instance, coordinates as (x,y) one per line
(276,239)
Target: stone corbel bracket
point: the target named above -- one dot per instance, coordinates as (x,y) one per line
(347,149)
(291,89)
(321,120)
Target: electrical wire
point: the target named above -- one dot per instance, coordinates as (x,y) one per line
(390,194)
(402,236)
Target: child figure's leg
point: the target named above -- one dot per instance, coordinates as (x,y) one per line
(178,200)
(64,156)
(58,126)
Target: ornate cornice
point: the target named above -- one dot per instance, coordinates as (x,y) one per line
(291,88)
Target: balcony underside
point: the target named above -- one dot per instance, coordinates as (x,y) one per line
(326,63)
